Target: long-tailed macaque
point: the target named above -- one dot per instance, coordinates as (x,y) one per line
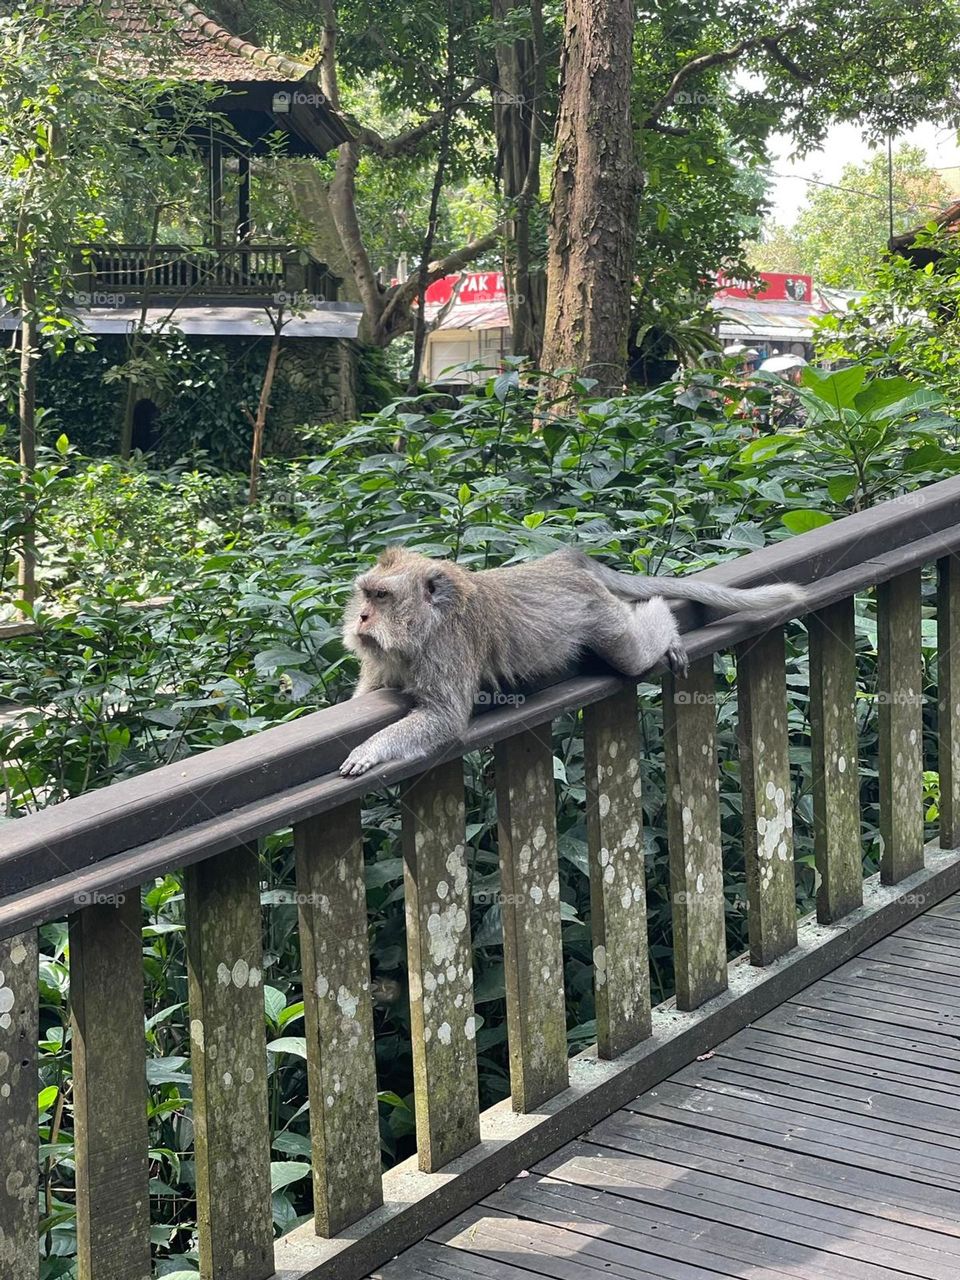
(441,633)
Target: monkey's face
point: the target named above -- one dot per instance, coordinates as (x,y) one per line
(394,612)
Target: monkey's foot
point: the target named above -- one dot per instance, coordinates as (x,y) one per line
(677,659)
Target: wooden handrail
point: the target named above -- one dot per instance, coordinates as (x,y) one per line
(235,791)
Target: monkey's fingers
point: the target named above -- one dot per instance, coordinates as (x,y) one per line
(354,765)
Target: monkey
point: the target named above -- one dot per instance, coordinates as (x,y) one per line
(442,633)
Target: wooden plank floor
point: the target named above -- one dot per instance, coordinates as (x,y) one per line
(822,1142)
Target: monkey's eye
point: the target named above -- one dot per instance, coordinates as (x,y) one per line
(381,594)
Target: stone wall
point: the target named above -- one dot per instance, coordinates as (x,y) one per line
(315,382)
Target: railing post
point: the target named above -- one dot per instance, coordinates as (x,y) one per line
(19,1256)
(229,1066)
(693,819)
(338,1017)
(110,1090)
(900,694)
(767,804)
(948,698)
(530,910)
(440,964)
(618,910)
(838,854)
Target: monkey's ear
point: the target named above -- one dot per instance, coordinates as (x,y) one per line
(441,590)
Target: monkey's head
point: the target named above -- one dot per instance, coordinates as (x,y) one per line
(401,601)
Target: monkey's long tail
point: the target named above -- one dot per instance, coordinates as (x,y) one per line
(748,601)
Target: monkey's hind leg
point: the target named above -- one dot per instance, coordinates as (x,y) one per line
(635,637)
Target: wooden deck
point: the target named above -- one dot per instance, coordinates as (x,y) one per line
(821,1142)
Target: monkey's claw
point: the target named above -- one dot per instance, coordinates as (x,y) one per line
(677,659)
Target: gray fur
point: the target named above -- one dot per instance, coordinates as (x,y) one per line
(442,633)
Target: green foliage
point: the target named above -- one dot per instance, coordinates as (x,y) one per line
(906,322)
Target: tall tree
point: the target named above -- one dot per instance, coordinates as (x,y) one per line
(593,210)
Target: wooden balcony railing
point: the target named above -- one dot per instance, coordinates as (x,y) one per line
(89,856)
(241,270)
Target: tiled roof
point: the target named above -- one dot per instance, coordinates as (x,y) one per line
(948,220)
(197,46)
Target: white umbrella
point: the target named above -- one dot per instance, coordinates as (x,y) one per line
(735,349)
(780,364)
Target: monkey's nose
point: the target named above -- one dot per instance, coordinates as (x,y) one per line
(364,617)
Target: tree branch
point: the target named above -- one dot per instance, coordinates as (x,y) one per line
(721,58)
(390,148)
(404,293)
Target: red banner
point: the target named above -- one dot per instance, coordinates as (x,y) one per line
(774,286)
(478,286)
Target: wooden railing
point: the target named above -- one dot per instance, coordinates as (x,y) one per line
(89,856)
(254,270)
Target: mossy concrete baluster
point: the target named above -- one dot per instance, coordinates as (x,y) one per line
(440,964)
(530,910)
(110,1090)
(19,1256)
(618,906)
(948,680)
(837,843)
(229,1062)
(338,1018)
(900,695)
(767,803)
(693,822)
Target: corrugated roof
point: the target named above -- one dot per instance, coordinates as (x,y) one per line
(331,320)
(471,315)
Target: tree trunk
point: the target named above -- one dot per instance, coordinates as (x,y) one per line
(26,575)
(517,114)
(591,248)
(259,421)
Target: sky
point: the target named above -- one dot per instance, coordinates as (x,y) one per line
(844,145)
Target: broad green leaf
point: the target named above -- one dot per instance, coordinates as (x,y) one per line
(274,1002)
(284,1172)
(841,487)
(764,447)
(837,388)
(805,520)
(292,1144)
(295,1045)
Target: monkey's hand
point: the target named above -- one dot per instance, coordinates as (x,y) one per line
(418,734)
(362,758)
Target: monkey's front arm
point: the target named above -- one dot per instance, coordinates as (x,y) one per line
(419,734)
